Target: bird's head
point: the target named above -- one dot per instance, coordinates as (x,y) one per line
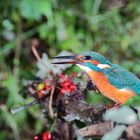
(88,61)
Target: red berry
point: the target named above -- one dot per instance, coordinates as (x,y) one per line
(37,137)
(65,83)
(72,86)
(46,136)
(41,94)
(47,87)
(62,91)
(67,86)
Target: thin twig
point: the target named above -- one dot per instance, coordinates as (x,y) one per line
(21,108)
(35,52)
(50,102)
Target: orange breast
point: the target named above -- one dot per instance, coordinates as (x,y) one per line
(108,90)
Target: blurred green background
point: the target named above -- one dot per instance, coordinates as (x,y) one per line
(111,27)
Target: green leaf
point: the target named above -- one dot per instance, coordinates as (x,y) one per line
(134,101)
(13,88)
(94,98)
(33,10)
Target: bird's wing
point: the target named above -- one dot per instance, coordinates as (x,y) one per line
(120,77)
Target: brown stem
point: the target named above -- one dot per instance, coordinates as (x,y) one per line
(35,52)
(51,112)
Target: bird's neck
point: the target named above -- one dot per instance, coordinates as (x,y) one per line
(97,77)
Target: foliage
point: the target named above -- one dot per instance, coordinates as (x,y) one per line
(109,27)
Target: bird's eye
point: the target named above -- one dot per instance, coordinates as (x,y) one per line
(87,57)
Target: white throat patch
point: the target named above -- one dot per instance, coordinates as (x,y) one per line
(86,69)
(103,66)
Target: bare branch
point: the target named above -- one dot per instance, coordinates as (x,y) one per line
(96,129)
(80,109)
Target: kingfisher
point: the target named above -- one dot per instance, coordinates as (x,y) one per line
(113,81)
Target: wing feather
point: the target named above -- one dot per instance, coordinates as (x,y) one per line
(120,77)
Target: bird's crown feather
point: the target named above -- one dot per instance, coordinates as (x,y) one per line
(96,56)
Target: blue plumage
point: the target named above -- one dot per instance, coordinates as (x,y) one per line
(122,78)
(116,75)
(96,56)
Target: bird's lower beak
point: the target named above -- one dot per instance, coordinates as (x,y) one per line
(72,59)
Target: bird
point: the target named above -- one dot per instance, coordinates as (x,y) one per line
(112,80)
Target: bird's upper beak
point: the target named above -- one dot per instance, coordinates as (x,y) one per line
(71,59)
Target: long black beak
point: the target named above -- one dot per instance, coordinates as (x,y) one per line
(71,57)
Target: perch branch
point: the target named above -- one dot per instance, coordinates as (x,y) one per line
(96,129)
(75,106)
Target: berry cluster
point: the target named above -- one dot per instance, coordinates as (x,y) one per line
(44,136)
(67,87)
(64,85)
(43,89)
(40,90)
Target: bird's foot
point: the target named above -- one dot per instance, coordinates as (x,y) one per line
(114,106)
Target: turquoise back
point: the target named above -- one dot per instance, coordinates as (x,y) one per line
(122,78)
